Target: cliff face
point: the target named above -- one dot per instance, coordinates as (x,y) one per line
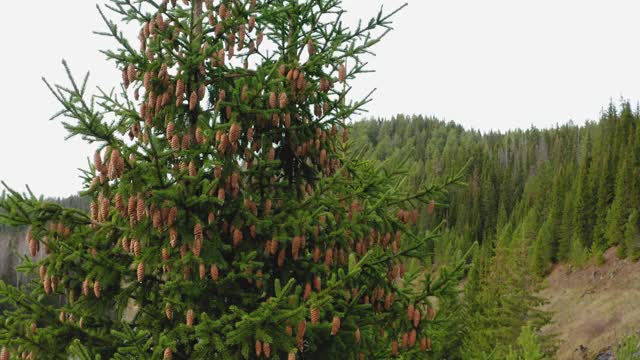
(11,244)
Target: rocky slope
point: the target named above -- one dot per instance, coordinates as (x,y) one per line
(593,307)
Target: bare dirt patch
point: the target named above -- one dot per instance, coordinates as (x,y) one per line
(593,307)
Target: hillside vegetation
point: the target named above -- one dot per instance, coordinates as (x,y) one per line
(539,203)
(567,192)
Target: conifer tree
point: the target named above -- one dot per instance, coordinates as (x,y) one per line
(227,219)
(632,236)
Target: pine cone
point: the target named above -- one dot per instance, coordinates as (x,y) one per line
(394,348)
(215,273)
(201,92)
(342,73)
(33,247)
(237,237)
(258,348)
(410,311)
(202,272)
(416,318)
(96,288)
(42,272)
(292,355)
(311,48)
(273,100)
(315,315)
(234,133)
(86,286)
(425,344)
(200,138)
(136,246)
(168,311)
(171,218)
(193,101)
(335,325)
(431,313)
(168,354)
(189,318)
(282,100)
(173,237)
(358,335)
(317,283)
(4,353)
(307,291)
(405,340)
(266,348)
(412,338)
(179,89)
(140,272)
(295,247)
(197,247)
(281,257)
(131,73)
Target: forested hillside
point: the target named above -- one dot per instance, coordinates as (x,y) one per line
(533,198)
(567,192)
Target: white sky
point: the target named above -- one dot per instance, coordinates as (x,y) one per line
(491,64)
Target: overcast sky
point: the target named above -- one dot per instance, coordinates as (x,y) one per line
(491,64)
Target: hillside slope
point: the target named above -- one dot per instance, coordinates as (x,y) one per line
(593,307)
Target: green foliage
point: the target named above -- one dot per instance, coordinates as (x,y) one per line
(529,347)
(629,348)
(229,218)
(554,186)
(500,301)
(632,236)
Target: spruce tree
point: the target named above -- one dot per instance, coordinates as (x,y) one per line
(632,236)
(227,219)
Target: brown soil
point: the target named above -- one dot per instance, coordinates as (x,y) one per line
(593,307)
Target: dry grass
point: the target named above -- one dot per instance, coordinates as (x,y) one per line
(593,307)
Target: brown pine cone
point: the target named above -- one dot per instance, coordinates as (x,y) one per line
(86,286)
(416,317)
(394,348)
(335,325)
(203,272)
(412,338)
(190,317)
(282,100)
(307,291)
(258,348)
(358,335)
(342,73)
(96,288)
(4,353)
(317,283)
(292,355)
(266,348)
(315,315)
(215,273)
(168,354)
(302,328)
(410,311)
(131,73)
(234,133)
(272,100)
(173,237)
(140,272)
(237,237)
(168,311)
(281,257)
(193,101)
